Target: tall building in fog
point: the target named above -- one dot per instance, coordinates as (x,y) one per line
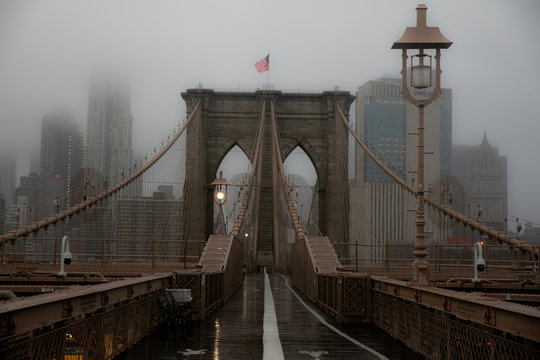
(484,175)
(19,214)
(109,129)
(93,230)
(27,195)
(62,155)
(7,177)
(2,213)
(23,211)
(384,120)
(140,221)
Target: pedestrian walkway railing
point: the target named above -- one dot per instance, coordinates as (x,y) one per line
(220,274)
(90,322)
(446,261)
(438,323)
(100,253)
(445,324)
(316,272)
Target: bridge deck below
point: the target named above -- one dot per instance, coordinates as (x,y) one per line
(244,324)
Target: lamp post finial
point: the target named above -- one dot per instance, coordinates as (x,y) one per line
(421,10)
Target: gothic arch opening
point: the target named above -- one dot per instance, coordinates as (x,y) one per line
(236,167)
(302,179)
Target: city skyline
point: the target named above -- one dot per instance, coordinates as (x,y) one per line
(167,196)
(161,62)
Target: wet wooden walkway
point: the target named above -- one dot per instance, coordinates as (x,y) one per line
(267,319)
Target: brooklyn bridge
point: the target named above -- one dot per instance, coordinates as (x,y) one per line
(265,265)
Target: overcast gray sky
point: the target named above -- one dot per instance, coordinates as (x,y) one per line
(48,48)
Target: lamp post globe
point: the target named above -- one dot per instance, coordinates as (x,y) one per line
(420,72)
(220,197)
(220,189)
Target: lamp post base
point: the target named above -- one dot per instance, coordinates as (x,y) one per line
(420,274)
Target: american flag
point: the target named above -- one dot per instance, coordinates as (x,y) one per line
(263,64)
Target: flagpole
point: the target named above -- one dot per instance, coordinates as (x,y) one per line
(268,70)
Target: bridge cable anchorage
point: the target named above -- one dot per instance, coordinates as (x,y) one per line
(489,231)
(110,192)
(297,224)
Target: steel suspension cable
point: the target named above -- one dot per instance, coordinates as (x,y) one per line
(309,219)
(297,224)
(53,219)
(489,231)
(256,158)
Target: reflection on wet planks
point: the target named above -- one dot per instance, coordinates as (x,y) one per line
(236,331)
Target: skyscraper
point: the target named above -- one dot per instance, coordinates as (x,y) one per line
(7,177)
(29,190)
(62,155)
(140,221)
(2,212)
(485,177)
(109,131)
(385,120)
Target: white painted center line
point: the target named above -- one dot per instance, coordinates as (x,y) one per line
(272,349)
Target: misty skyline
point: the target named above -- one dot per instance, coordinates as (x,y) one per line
(51,48)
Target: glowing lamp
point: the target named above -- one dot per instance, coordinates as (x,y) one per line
(220,189)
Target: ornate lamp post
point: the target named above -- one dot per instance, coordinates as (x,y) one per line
(420,38)
(220,197)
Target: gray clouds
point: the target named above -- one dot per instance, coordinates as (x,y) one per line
(49,48)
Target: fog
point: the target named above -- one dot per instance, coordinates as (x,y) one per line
(49,49)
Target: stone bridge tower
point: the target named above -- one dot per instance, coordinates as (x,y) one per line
(232,118)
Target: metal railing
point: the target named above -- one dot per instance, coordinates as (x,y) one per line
(107,251)
(303,274)
(211,289)
(344,296)
(443,324)
(449,259)
(97,322)
(438,323)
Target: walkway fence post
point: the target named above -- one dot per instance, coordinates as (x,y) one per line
(339,298)
(102,250)
(203,296)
